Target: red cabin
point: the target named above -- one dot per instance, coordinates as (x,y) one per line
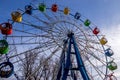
(6,28)
(54,8)
(96,31)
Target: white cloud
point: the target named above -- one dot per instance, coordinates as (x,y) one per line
(113,37)
(112,34)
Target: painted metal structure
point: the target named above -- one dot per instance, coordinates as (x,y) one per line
(66,64)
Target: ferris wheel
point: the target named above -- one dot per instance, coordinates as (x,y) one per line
(59,34)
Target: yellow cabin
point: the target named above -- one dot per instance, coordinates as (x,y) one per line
(16,16)
(66,11)
(103,41)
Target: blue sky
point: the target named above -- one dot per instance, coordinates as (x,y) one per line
(101,12)
(104,13)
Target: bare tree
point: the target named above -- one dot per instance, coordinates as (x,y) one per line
(47,71)
(28,65)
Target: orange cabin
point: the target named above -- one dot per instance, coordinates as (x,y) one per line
(66,11)
(16,16)
(103,41)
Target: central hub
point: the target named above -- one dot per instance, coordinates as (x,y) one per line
(70,34)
